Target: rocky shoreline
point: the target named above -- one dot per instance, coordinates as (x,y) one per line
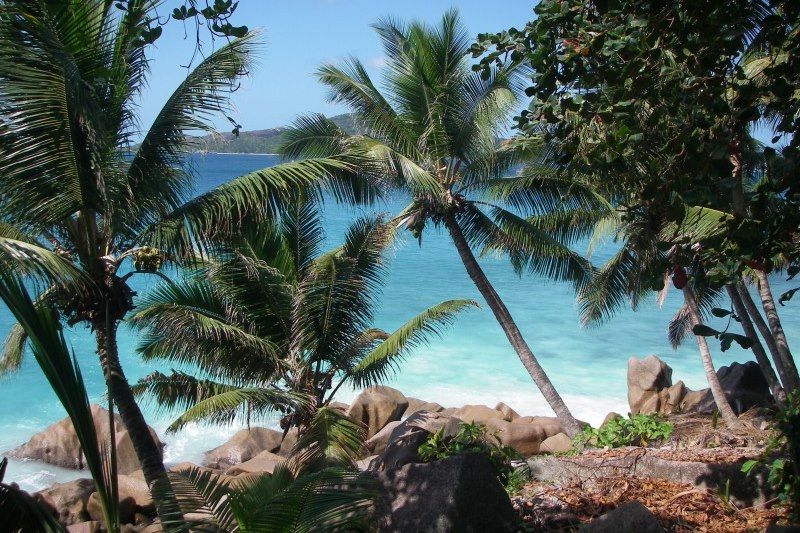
(395,427)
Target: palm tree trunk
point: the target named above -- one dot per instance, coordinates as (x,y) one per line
(758,348)
(504,318)
(723,406)
(146,448)
(766,334)
(768,303)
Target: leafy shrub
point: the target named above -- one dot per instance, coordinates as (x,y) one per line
(637,430)
(474,438)
(781,457)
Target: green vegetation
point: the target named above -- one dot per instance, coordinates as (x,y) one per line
(640,126)
(636,430)
(781,457)
(432,134)
(654,106)
(304,493)
(474,438)
(272,321)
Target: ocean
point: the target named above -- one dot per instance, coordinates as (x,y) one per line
(471,364)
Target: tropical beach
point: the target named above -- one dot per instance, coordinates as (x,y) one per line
(412,296)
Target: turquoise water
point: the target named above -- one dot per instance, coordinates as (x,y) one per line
(472,363)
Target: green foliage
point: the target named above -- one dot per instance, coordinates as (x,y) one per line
(661,96)
(637,430)
(317,488)
(474,438)
(274,322)
(60,368)
(781,456)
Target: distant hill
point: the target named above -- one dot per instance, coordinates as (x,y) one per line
(256,141)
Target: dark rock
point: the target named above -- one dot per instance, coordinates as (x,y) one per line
(628,517)
(91,526)
(460,493)
(744,385)
(67,501)
(405,439)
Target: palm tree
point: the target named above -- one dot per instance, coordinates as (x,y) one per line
(270,319)
(73,197)
(433,134)
(61,369)
(317,488)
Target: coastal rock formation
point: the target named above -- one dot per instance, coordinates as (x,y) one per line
(380,440)
(263,462)
(134,497)
(558,443)
(650,388)
(415,405)
(67,501)
(404,440)
(377,406)
(243,446)
(58,444)
(508,413)
(744,386)
(460,493)
(646,377)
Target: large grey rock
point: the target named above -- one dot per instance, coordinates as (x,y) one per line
(67,501)
(380,440)
(481,414)
(525,437)
(744,385)
(134,498)
(415,404)
(460,493)
(646,377)
(377,406)
(404,440)
(263,462)
(628,517)
(58,444)
(744,490)
(243,446)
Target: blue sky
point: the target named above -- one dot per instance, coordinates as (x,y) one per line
(300,35)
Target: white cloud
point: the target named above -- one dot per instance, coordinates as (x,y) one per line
(377,62)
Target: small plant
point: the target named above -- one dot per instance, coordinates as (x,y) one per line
(637,430)
(474,438)
(781,457)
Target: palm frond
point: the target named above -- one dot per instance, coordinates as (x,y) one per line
(330,439)
(156,181)
(224,406)
(21,512)
(61,369)
(260,195)
(13,349)
(375,366)
(533,250)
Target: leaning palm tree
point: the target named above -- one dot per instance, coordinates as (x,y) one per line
(73,197)
(270,316)
(433,134)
